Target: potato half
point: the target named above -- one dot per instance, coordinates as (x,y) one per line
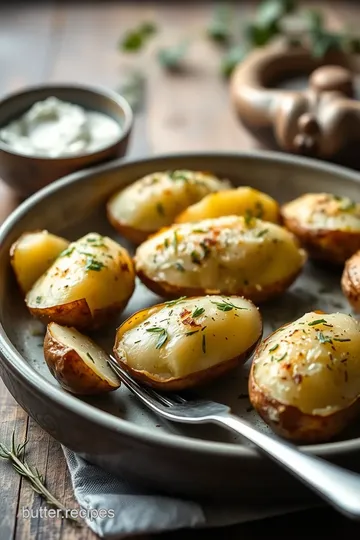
(154,201)
(350,281)
(227,255)
(76,362)
(188,341)
(327,226)
(243,201)
(88,284)
(32,254)
(305,377)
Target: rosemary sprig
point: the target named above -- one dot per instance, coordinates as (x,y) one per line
(15,455)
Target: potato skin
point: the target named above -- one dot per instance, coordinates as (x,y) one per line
(324,244)
(77,314)
(136,236)
(189,381)
(350,281)
(258,296)
(291,423)
(70,370)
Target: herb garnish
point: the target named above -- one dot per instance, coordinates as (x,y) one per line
(197,312)
(248,217)
(276,346)
(163,335)
(166,243)
(93,264)
(160,209)
(204,344)
(342,339)
(323,339)
(191,333)
(179,267)
(38,299)
(135,39)
(67,252)
(91,358)
(195,257)
(261,233)
(317,321)
(177,301)
(175,242)
(279,359)
(227,306)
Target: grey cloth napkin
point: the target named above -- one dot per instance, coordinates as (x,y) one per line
(135,511)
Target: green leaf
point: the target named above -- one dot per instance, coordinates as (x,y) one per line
(323,43)
(219,28)
(270,11)
(258,35)
(232,58)
(136,38)
(148,28)
(171,58)
(315,20)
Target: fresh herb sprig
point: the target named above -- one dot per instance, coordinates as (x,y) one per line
(226,305)
(162,335)
(15,454)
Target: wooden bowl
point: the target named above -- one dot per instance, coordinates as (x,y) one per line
(27,174)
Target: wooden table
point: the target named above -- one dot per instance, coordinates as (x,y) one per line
(60,42)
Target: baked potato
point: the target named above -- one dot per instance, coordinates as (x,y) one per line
(188,341)
(76,362)
(350,281)
(32,254)
(305,377)
(243,201)
(154,201)
(90,282)
(327,226)
(228,255)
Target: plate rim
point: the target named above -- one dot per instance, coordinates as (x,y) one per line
(18,366)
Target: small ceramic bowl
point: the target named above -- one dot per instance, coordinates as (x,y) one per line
(27,174)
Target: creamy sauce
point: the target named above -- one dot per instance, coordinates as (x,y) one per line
(54,128)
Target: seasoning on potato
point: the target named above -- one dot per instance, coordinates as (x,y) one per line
(32,254)
(188,341)
(305,377)
(327,226)
(350,281)
(243,201)
(90,282)
(77,362)
(154,201)
(228,255)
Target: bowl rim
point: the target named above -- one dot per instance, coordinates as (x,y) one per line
(97,90)
(23,371)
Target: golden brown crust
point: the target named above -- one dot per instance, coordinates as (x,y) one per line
(350,281)
(77,314)
(70,370)
(324,244)
(167,290)
(136,236)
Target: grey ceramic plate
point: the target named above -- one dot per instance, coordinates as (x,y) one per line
(115,430)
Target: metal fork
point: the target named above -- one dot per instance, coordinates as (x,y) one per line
(338,486)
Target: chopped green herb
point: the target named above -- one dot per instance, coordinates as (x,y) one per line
(347,204)
(179,267)
(93,264)
(171,58)
(274,347)
(160,209)
(204,344)
(67,252)
(197,312)
(38,299)
(195,257)
(342,339)
(323,339)
(191,333)
(91,358)
(248,217)
(281,357)
(136,38)
(177,301)
(166,243)
(175,242)
(163,335)
(261,233)
(227,306)
(317,321)
(199,231)
(178,175)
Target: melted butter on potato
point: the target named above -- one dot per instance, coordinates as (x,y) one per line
(312,364)
(227,254)
(94,268)
(189,335)
(324,211)
(238,202)
(155,200)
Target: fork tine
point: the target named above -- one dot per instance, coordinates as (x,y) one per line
(133,385)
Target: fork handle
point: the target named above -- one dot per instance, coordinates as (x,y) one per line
(338,486)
